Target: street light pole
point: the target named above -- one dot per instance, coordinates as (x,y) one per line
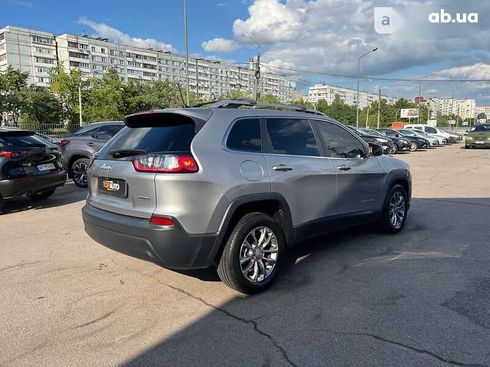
(257,65)
(358,76)
(186,46)
(80,101)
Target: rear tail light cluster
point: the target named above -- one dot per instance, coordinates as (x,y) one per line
(170,163)
(64,142)
(6,154)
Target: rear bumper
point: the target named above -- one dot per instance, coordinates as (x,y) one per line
(30,184)
(474,145)
(171,247)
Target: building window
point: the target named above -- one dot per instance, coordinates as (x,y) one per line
(3,57)
(2,36)
(102,50)
(93,49)
(72,44)
(83,46)
(44,40)
(44,60)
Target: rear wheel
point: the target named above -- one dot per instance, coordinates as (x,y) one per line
(78,172)
(253,255)
(413,146)
(395,210)
(41,195)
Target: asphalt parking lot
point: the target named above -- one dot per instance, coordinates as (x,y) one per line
(353,298)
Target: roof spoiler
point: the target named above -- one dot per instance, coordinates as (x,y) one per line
(165,118)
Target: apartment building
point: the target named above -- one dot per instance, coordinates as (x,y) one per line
(482,109)
(349,96)
(36,52)
(464,108)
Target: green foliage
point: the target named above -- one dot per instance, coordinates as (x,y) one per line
(41,107)
(12,92)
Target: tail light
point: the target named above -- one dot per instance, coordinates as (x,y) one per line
(170,163)
(6,154)
(64,142)
(161,221)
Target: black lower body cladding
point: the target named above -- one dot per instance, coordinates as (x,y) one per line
(171,247)
(31,184)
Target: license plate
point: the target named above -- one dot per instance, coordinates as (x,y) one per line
(46,167)
(112,186)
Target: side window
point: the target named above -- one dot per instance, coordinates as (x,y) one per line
(107,132)
(292,136)
(245,135)
(430,130)
(390,133)
(338,142)
(86,132)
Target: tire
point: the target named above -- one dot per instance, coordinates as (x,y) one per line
(387,222)
(42,195)
(413,146)
(234,273)
(78,172)
(2,202)
(395,149)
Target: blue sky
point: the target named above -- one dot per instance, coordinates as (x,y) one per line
(317,35)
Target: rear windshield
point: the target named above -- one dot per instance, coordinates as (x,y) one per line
(11,141)
(165,139)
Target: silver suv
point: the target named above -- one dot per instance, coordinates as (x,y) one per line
(236,187)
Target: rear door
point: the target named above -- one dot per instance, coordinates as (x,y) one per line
(114,183)
(360,177)
(298,170)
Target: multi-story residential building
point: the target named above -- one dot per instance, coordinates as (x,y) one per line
(349,96)
(482,109)
(37,52)
(464,108)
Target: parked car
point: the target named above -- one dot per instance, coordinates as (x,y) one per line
(433,130)
(29,165)
(424,142)
(416,143)
(401,144)
(55,141)
(236,187)
(478,136)
(385,143)
(435,140)
(78,149)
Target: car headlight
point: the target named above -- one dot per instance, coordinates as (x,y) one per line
(468,138)
(381,140)
(404,141)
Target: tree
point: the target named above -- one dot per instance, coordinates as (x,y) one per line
(269,98)
(105,98)
(42,107)
(66,87)
(12,92)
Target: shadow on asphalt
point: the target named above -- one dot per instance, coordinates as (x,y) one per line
(65,195)
(357,297)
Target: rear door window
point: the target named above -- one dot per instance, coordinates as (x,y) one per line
(338,142)
(245,136)
(164,139)
(292,136)
(107,132)
(430,130)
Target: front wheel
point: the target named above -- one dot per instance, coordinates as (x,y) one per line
(253,255)
(78,172)
(413,146)
(395,210)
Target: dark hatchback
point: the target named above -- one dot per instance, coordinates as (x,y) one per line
(29,165)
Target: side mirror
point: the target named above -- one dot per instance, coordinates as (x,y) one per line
(375,149)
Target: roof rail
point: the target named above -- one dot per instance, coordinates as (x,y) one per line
(236,103)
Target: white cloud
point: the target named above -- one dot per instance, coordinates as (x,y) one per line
(476,71)
(220,45)
(106,31)
(329,36)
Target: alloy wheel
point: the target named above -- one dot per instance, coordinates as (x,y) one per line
(397,210)
(258,254)
(79,173)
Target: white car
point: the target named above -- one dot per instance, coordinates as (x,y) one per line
(441,135)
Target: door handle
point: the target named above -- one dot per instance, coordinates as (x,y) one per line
(344,167)
(90,144)
(282,167)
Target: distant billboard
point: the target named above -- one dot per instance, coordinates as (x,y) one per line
(409,113)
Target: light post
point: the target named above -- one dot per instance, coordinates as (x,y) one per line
(186,46)
(257,65)
(358,76)
(80,101)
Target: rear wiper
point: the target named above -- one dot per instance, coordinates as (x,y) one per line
(120,153)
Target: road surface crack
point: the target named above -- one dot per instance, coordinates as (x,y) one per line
(406,346)
(240,319)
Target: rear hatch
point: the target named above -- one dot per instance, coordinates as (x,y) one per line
(122,175)
(24,154)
